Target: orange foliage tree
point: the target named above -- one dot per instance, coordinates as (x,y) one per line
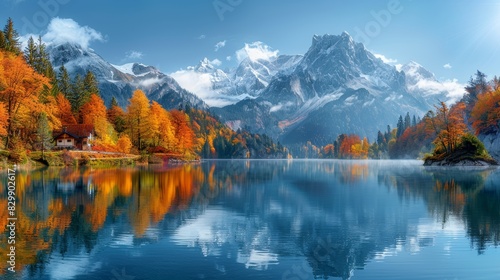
(347,147)
(485,114)
(65,114)
(448,125)
(94,112)
(162,128)
(329,151)
(4,117)
(183,132)
(19,84)
(124,145)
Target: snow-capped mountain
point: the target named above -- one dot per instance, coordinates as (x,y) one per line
(423,84)
(121,81)
(219,87)
(337,87)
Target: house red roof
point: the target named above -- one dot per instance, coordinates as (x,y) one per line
(76,130)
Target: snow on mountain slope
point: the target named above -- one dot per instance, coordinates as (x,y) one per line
(120,81)
(421,82)
(337,87)
(258,64)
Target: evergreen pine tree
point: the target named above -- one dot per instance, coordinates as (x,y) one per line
(90,84)
(11,38)
(476,86)
(2,40)
(400,126)
(414,121)
(44,133)
(388,135)
(205,152)
(382,143)
(43,65)
(30,52)
(64,82)
(114,102)
(407,121)
(78,95)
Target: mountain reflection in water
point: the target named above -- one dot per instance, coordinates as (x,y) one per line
(254,219)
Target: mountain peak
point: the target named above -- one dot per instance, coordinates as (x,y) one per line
(327,41)
(345,34)
(205,66)
(414,70)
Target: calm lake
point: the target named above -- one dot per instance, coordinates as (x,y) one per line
(240,219)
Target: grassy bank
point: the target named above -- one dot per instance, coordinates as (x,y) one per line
(74,158)
(90,158)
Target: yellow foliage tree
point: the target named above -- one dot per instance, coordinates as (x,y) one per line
(4,117)
(163,130)
(20,86)
(124,145)
(94,112)
(448,125)
(138,119)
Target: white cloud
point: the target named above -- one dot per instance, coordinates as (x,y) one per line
(220,45)
(256,51)
(228,58)
(62,30)
(399,67)
(150,82)
(453,87)
(202,36)
(447,66)
(385,59)
(131,55)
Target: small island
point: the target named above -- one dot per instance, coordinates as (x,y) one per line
(469,152)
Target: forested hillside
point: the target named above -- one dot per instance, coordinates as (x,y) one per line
(36,101)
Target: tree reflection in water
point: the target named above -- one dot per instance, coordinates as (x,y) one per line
(269,209)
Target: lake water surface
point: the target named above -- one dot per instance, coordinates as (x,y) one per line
(257,220)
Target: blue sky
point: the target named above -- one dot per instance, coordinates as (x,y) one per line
(450,38)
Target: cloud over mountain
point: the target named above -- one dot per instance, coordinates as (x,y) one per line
(66,30)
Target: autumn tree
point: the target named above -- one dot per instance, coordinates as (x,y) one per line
(348,148)
(22,85)
(124,145)
(183,132)
(329,151)
(65,114)
(94,112)
(485,114)
(163,133)
(116,116)
(138,113)
(3,120)
(448,126)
